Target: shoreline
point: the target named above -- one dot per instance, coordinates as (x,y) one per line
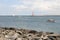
(7,33)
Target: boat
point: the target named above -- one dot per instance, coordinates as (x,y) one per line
(13,15)
(51,20)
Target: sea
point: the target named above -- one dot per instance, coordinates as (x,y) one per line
(38,23)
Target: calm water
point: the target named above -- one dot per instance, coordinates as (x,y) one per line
(38,23)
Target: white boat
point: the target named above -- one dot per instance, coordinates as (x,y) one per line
(51,20)
(13,15)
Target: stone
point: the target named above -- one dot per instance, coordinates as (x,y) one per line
(23,34)
(19,39)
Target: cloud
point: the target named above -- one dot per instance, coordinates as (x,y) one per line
(19,7)
(41,4)
(46,7)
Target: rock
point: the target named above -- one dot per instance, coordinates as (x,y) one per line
(23,34)
(19,39)
(49,32)
(33,31)
(1,38)
(19,32)
(25,39)
(35,39)
(30,35)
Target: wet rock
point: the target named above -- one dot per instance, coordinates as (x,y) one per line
(33,31)
(35,39)
(49,32)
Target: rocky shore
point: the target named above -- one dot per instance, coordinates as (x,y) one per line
(24,34)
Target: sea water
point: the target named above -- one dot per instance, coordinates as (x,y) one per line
(38,23)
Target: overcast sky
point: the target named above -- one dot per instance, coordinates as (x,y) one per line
(25,7)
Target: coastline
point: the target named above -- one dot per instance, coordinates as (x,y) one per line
(25,34)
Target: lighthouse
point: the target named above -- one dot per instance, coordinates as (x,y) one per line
(32,13)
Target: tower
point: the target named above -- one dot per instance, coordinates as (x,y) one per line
(32,13)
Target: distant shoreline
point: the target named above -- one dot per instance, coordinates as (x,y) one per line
(30,15)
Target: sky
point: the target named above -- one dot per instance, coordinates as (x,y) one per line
(26,7)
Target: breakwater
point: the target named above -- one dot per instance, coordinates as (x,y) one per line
(25,34)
